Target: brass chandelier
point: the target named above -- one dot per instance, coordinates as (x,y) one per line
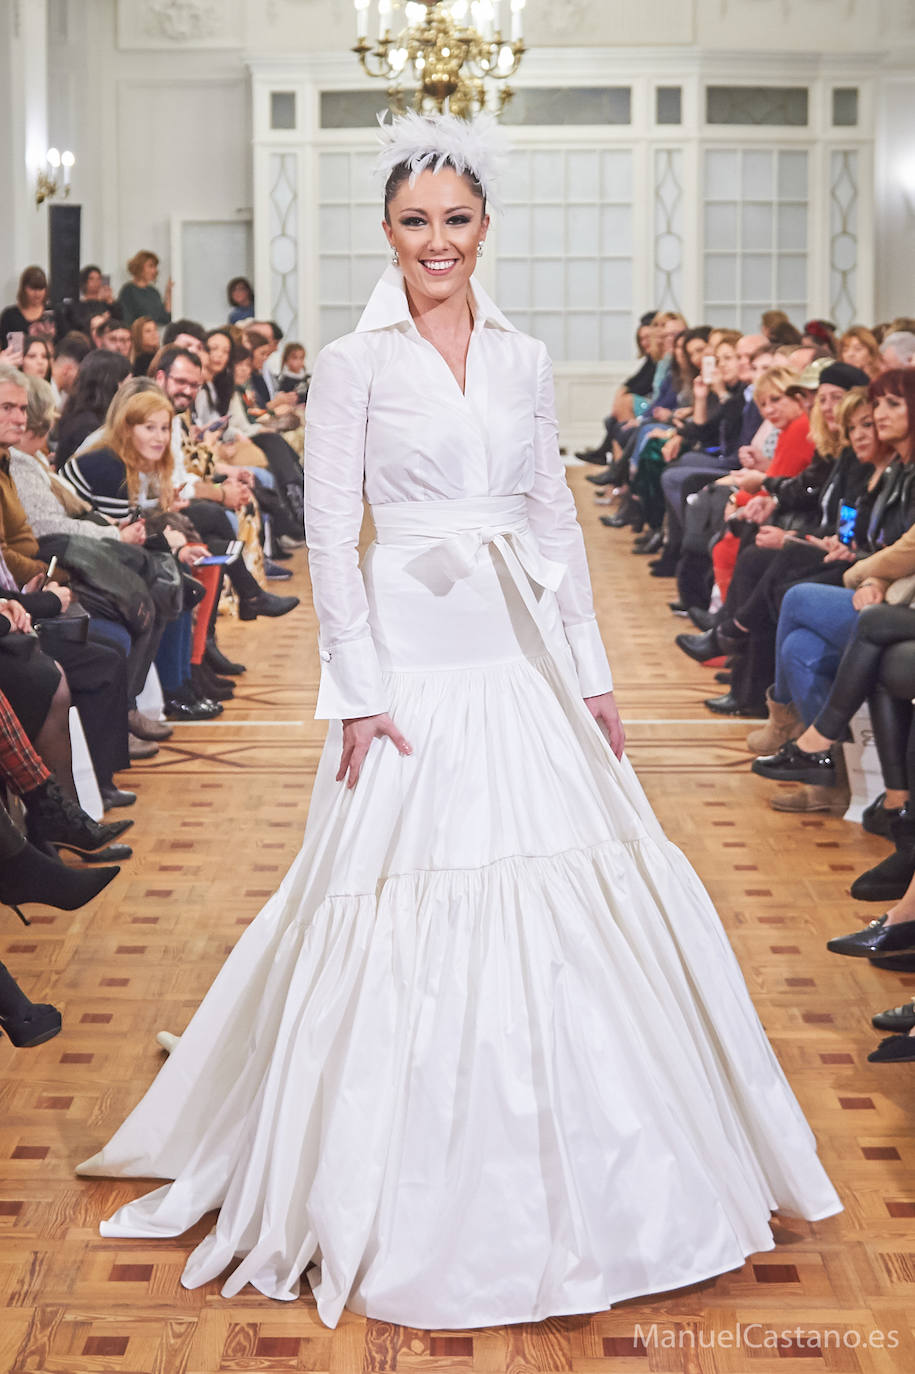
(453,54)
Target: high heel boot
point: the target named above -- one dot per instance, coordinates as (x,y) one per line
(55,822)
(30,876)
(25,1022)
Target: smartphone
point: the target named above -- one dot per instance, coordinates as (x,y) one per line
(106,280)
(848,517)
(708,368)
(15,340)
(216,424)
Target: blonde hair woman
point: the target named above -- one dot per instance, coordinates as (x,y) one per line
(858,347)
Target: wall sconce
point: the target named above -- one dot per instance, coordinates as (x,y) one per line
(56,180)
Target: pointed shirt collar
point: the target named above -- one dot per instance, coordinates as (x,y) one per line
(387,306)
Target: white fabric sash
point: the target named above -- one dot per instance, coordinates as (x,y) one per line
(451,534)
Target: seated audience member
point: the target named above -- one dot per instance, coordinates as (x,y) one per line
(144,344)
(859,348)
(212,487)
(69,353)
(649,455)
(241,300)
(629,401)
(708,443)
(97,319)
(25,316)
(35,683)
(114,336)
(36,359)
(262,383)
(785,336)
(821,335)
(132,467)
(796,540)
(816,621)
(215,395)
(771,320)
(293,377)
(100,374)
(186,334)
(140,295)
(898,349)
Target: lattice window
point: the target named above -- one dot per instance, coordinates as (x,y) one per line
(668,228)
(284,241)
(843,236)
(755,234)
(785,105)
(564,264)
(352,251)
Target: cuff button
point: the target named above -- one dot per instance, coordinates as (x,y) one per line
(326,655)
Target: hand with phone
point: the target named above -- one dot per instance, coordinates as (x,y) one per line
(15,348)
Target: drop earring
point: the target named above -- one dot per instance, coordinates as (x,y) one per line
(479,250)
(395,258)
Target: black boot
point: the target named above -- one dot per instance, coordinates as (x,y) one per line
(700,647)
(266,604)
(30,876)
(205,687)
(25,1022)
(56,822)
(216,659)
(888,881)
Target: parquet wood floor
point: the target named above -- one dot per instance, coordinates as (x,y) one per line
(219,817)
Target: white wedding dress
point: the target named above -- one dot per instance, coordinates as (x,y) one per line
(486,1056)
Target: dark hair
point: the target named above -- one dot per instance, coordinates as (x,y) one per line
(686,375)
(30,342)
(100,374)
(85,273)
(168,355)
(32,279)
(785,334)
(403,173)
(223,383)
(73,345)
(110,325)
(255,340)
(291,347)
(177,327)
(897,381)
(240,281)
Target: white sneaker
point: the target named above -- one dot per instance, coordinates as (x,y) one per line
(168,1041)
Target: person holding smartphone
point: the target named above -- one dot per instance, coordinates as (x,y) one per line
(29,309)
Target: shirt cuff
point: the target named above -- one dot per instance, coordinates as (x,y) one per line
(351,683)
(590,656)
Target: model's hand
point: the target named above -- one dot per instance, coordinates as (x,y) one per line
(358,734)
(603,709)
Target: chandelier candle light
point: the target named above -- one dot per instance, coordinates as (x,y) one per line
(454,53)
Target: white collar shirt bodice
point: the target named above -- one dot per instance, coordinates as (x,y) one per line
(387,419)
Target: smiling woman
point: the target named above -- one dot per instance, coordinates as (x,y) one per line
(579,1103)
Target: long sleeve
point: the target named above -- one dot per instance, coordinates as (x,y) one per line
(44,512)
(351,682)
(554,520)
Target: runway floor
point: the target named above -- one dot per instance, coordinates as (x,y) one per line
(219,817)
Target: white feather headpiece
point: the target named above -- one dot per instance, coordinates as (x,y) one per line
(421,142)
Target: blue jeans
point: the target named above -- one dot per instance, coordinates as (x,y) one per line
(814,626)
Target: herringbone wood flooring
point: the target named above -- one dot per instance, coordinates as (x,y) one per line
(219,817)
